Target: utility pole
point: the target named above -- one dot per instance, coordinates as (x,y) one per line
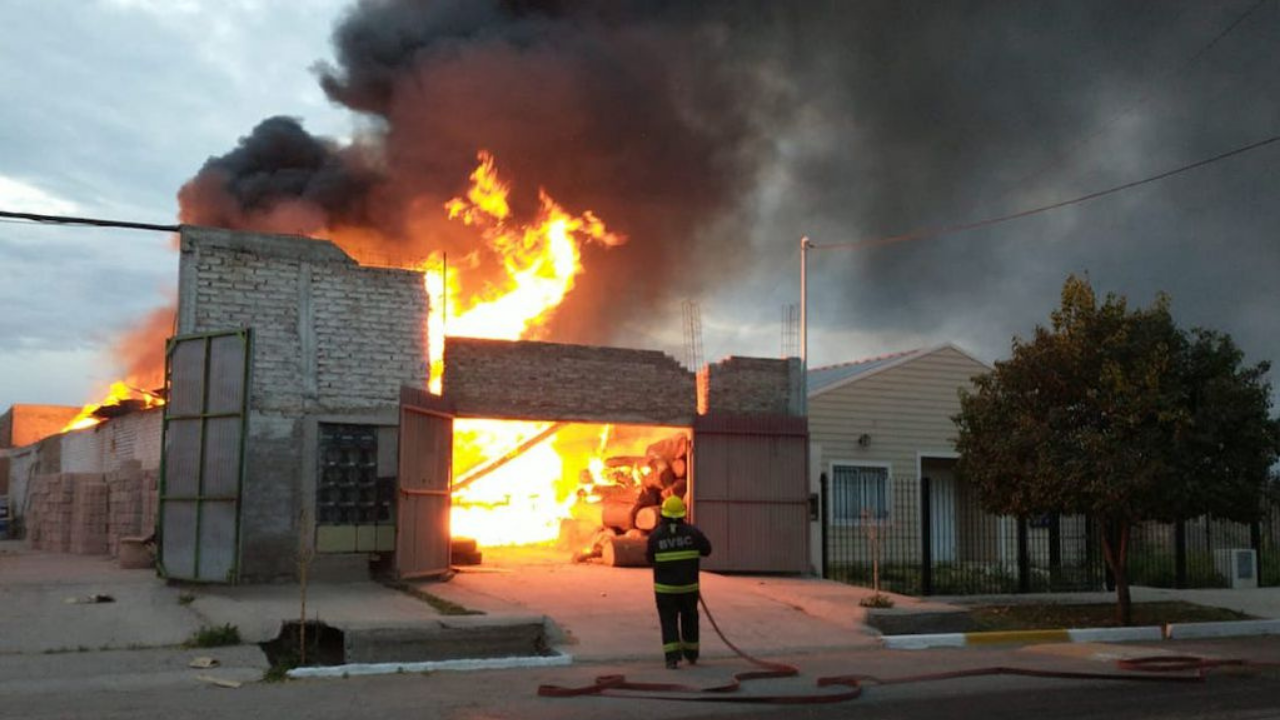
(805,246)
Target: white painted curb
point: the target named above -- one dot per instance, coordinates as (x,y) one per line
(920,642)
(430,666)
(1182,631)
(1147,632)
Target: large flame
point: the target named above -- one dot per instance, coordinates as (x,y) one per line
(524,501)
(540,261)
(117,396)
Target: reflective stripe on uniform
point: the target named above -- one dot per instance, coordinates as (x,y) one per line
(690,646)
(676,555)
(675,589)
(671,647)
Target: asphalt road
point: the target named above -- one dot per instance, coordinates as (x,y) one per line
(83,692)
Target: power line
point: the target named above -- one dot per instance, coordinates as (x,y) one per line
(92,222)
(948,229)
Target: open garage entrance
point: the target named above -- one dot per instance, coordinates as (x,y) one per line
(571,449)
(576,491)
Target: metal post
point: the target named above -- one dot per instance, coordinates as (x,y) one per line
(1255,542)
(805,246)
(825,486)
(926,539)
(1055,551)
(1180,554)
(1024,557)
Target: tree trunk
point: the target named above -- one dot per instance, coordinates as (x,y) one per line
(1115,549)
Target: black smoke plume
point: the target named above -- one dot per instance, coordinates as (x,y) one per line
(715,133)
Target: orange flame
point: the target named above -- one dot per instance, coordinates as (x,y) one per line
(116,396)
(541,261)
(525,500)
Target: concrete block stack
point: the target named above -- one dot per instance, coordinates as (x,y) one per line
(89,517)
(124,505)
(51,512)
(149,489)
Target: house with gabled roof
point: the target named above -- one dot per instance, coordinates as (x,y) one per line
(877,428)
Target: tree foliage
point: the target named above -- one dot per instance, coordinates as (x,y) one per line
(1118,414)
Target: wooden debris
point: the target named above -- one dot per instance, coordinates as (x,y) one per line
(625,552)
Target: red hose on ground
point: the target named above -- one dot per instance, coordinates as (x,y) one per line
(1159,668)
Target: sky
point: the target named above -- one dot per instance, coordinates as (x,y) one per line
(714,135)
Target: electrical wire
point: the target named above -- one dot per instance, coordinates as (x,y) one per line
(92,222)
(964,227)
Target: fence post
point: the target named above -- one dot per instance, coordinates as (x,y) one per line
(1024,557)
(1255,542)
(926,539)
(1055,551)
(1180,554)
(824,492)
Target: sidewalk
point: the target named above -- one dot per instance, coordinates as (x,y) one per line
(591,612)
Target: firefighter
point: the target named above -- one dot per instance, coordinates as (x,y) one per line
(674,550)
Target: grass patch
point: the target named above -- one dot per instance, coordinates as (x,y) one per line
(210,636)
(1053,616)
(876,600)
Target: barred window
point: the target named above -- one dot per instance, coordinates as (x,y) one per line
(860,492)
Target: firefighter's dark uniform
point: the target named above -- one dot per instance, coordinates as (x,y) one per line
(674,550)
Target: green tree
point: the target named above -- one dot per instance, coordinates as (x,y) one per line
(1118,414)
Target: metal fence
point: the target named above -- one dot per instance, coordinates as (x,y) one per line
(924,538)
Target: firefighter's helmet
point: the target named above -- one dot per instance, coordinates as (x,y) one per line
(673,507)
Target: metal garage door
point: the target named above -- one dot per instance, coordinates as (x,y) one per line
(202,464)
(751,492)
(425,483)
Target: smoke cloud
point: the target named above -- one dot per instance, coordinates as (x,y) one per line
(714,134)
(633,111)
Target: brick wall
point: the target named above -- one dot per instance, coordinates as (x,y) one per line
(82,450)
(109,445)
(26,424)
(330,339)
(548,381)
(750,386)
(89,517)
(328,333)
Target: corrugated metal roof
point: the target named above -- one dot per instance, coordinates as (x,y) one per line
(824,377)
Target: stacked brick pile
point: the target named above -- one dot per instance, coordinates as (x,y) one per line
(149,489)
(89,517)
(124,505)
(49,521)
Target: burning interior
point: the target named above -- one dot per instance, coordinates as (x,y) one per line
(590,490)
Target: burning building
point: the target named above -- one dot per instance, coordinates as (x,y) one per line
(361,361)
(300,413)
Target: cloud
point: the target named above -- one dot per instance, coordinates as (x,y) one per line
(17,196)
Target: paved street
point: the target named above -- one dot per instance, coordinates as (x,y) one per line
(123,659)
(512,693)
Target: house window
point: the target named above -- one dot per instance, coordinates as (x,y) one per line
(859,492)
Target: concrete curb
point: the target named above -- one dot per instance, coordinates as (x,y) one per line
(354,669)
(1149,633)
(1180,631)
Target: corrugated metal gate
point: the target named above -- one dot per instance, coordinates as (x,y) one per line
(750,492)
(202,464)
(425,484)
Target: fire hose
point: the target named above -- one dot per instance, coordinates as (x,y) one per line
(1158,668)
